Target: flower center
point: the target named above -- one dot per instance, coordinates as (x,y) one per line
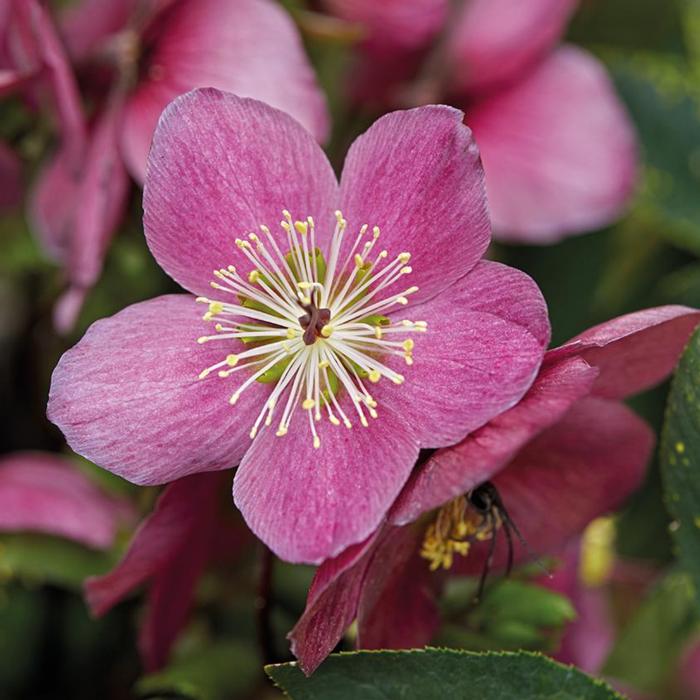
(456,525)
(314,327)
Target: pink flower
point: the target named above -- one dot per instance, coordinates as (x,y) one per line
(305,359)
(187,530)
(134,58)
(558,148)
(41,492)
(567,453)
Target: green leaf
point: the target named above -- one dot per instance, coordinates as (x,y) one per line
(646,651)
(220,671)
(436,674)
(46,559)
(680,459)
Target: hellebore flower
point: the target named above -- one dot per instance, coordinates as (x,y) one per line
(133,58)
(187,530)
(558,148)
(306,352)
(569,452)
(42,492)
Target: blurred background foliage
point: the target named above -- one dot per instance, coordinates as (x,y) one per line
(49,646)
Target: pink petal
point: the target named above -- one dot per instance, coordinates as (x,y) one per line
(455,470)
(297,499)
(331,604)
(47,49)
(635,351)
(41,492)
(416,174)
(587,640)
(496,40)
(248,47)
(171,593)
(689,672)
(86,25)
(220,166)
(168,535)
(581,468)
(477,358)
(394,23)
(128,398)
(397,607)
(76,210)
(558,149)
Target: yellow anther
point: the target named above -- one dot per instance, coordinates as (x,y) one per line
(359,262)
(286,226)
(323,364)
(383,254)
(233,399)
(253,432)
(408,359)
(218,327)
(302,227)
(404,257)
(376,232)
(407,270)
(411,290)
(202,339)
(333,420)
(216,307)
(374,376)
(421,324)
(363,420)
(231,360)
(286,214)
(372,412)
(327,331)
(203,300)
(347,423)
(317,441)
(310,219)
(308,404)
(281,431)
(291,333)
(304,285)
(402,300)
(398,379)
(254,276)
(378,332)
(408,344)
(254,237)
(204,373)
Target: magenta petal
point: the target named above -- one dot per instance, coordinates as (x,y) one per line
(75,210)
(477,358)
(87,24)
(128,398)
(635,351)
(559,150)
(497,40)
(583,467)
(331,604)
(171,593)
(394,23)
(454,470)
(417,175)
(397,608)
(297,499)
(220,166)
(41,492)
(689,671)
(247,47)
(160,540)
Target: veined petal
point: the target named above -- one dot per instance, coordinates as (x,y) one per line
(42,492)
(496,40)
(128,397)
(476,359)
(331,604)
(417,175)
(221,166)
(583,467)
(559,150)
(164,537)
(635,351)
(453,471)
(248,47)
(298,499)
